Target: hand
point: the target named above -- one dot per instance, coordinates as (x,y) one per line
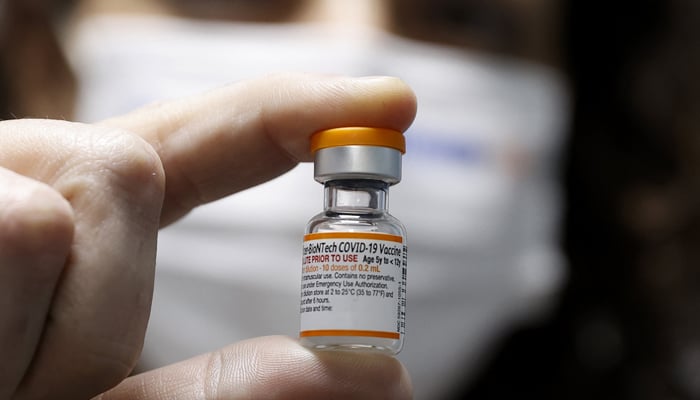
(80,207)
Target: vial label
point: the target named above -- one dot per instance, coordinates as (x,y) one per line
(353,284)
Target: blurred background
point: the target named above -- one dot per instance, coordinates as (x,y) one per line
(622,323)
(626,326)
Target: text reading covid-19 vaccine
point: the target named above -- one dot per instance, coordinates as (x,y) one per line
(353,273)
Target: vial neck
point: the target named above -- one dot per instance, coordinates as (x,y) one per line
(356,196)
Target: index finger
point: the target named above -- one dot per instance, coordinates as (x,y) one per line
(232,138)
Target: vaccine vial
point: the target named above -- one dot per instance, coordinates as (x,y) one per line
(353,275)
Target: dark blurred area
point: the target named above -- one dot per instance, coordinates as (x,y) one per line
(35,79)
(627,326)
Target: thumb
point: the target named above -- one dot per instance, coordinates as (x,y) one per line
(274,367)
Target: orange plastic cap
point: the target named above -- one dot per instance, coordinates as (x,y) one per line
(358,135)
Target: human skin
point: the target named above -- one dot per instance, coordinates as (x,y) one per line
(80,208)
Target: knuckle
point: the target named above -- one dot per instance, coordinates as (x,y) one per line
(129,161)
(212,383)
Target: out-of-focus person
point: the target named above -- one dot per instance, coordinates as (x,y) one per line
(479,196)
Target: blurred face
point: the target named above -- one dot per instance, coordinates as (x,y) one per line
(522,28)
(526,29)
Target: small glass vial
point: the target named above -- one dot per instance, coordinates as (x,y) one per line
(353,286)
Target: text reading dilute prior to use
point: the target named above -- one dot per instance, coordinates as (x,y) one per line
(362,274)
